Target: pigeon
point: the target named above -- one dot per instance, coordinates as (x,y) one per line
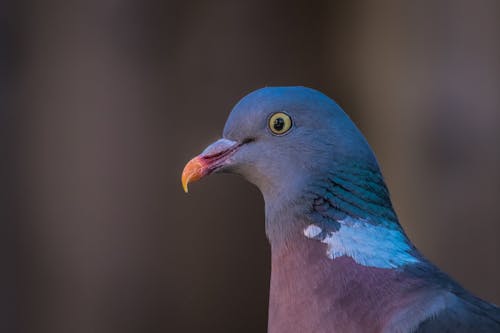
(340,260)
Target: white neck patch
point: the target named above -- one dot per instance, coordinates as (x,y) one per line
(368,244)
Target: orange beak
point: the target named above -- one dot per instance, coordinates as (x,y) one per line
(212,159)
(194,170)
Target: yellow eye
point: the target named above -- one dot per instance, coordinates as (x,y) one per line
(280,123)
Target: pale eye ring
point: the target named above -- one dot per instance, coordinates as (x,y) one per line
(279,123)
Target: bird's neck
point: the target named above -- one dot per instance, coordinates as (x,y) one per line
(338,253)
(351,189)
(350,212)
(309,291)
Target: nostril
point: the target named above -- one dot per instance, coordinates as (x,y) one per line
(247,140)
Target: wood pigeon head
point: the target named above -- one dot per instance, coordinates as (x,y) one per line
(280,139)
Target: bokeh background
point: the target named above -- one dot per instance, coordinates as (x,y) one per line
(103,101)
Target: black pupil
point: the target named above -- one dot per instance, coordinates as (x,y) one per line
(279,123)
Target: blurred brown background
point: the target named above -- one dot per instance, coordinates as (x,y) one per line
(103,101)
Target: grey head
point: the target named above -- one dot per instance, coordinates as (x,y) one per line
(321,138)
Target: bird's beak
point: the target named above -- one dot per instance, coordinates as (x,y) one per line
(211,159)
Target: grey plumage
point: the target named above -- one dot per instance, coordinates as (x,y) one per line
(341,261)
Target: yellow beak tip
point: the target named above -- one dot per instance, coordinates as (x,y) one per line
(185,187)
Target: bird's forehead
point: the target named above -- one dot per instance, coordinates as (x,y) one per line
(243,121)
